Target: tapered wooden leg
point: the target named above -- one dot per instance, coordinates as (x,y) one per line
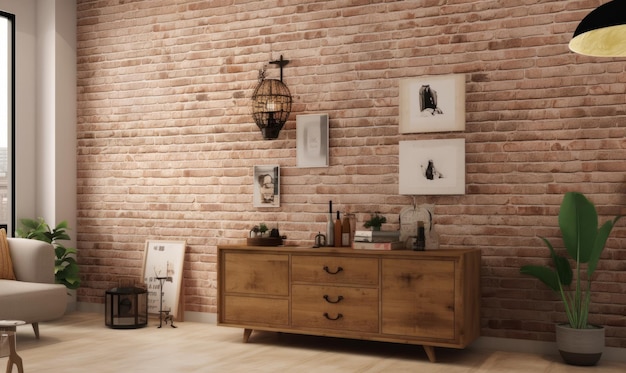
(36,329)
(430,352)
(246,335)
(14,358)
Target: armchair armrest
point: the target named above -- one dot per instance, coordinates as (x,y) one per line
(33,261)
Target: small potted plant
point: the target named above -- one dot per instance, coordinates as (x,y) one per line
(579,343)
(257,236)
(375,222)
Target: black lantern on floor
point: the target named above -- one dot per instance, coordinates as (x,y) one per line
(126,308)
(271,103)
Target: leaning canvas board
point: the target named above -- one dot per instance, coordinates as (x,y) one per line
(164,259)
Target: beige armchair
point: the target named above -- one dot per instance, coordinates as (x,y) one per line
(34,297)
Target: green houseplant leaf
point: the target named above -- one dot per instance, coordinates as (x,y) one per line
(578,221)
(584,243)
(554,279)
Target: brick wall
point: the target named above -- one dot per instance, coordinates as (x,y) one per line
(166,142)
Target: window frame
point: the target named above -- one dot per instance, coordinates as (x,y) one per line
(10,223)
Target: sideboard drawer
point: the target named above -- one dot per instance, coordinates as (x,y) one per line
(256,310)
(262,274)
(335,307)
(334,270)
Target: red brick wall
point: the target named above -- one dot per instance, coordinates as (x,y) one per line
(166,142)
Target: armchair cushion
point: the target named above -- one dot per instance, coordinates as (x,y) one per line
(6,264)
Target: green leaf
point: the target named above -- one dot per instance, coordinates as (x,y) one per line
(544,274)
(578,221)
(598,245)
(561,264)
(61,226)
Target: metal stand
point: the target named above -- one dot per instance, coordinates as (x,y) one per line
(164,315)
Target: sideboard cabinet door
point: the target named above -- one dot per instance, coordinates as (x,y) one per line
(418,298)
(255,288)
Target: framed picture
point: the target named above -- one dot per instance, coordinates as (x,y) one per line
(432,104)
(312,140)
(163,263)
(429,167)
(266,186)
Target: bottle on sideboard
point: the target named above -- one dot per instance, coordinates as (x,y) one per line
(330,226)
(338,231)
(420,241)
(346,240)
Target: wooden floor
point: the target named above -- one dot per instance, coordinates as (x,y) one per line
(80,343)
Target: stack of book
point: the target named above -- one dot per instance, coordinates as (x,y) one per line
(377,240)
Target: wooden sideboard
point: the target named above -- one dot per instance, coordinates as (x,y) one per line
(428,298)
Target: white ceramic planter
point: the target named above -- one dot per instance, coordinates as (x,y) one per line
(580,346)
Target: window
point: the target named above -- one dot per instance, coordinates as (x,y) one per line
(7,120)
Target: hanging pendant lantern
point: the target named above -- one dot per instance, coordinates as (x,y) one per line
(602,33)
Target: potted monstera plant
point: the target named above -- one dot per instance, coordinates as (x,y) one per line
(579,343)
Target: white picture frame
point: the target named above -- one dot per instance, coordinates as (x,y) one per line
(312,140)
(266,181)
(432,104)
(432,167)
(164,259)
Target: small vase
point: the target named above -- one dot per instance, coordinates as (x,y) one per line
(581,347)
(376,229)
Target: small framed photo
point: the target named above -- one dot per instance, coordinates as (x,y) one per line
(312,140)
(430,167)
(266,186)
(432,104)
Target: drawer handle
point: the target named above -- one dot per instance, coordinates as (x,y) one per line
(339,299)
(339,269)
(332,319)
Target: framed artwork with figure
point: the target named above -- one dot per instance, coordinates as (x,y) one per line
(432,104)
(266,186)
(431,167)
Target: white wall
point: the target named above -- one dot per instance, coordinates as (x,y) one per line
(56,111)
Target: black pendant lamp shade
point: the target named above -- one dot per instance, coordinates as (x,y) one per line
(602,33)
(271,103)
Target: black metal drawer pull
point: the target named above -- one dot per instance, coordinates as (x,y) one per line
(339,269)
(339,299)
(332,319)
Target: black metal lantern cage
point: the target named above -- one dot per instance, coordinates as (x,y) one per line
(126,308)
(271,105)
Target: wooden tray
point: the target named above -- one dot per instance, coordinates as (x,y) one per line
(265,241)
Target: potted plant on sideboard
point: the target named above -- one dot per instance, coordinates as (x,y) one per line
(65,266)
(375,222)
(579,343)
